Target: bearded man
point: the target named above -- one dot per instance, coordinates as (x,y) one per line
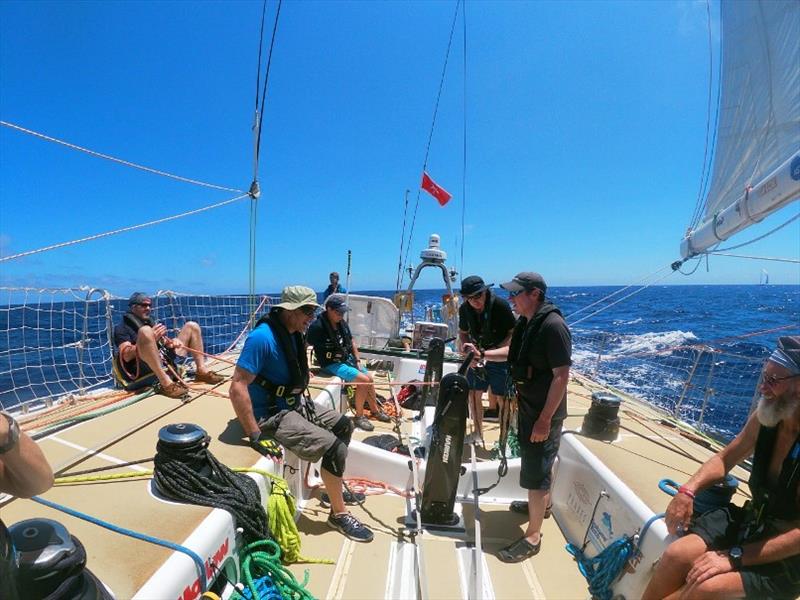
(751,551)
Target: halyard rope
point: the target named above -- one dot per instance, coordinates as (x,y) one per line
(118,160)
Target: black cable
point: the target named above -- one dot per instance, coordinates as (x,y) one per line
(177,476)
(266,80)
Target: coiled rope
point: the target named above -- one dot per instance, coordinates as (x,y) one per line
(262,559)
(235,493)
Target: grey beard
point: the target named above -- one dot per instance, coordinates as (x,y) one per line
(772,413)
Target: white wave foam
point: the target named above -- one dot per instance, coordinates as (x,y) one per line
(632,322)
(651,341)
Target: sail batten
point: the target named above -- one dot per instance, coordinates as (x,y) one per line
(759,126)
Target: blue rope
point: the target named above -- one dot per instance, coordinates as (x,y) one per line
(130,533)
(604,569)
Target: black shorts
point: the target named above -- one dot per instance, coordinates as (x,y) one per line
(719,529)
(537,459)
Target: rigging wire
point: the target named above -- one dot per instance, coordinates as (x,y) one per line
(633,293)
(776,259)
(402,240)
(619,291)
(705,174)
(430,135)
(464,166)
(124,229)
(117,160)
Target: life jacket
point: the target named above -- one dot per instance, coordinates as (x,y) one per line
(480,325)
(522,371)
(283,396)
(779,501)
(333,351)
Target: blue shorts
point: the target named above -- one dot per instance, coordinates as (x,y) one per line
(494,374)
(344,371)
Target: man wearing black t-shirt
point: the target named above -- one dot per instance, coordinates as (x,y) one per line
(539,359)
(140,345)
(485,322)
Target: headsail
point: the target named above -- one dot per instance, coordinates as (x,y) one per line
(757,160)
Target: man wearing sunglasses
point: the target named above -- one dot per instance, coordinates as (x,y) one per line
(485,322)
(267,392)
(539,358)
(143,349)
(337,354)
(751,551)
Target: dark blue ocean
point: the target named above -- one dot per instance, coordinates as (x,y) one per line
(650,344)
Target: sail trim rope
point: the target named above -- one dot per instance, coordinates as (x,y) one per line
(773,258)
(123,229)
(118,160)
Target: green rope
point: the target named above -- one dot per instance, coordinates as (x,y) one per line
(259,563)
(512,443)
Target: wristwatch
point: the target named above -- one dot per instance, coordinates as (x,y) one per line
(735,554)
(13,433)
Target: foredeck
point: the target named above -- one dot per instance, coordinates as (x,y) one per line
(645,452)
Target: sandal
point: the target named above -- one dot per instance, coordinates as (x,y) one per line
(521,507)
(520,550)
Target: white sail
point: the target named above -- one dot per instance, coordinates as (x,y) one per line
(757,159)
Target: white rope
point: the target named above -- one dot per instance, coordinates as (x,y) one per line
(776,259)
(644,287)
(761,237)
(619,291)
(118,160)
(124,229)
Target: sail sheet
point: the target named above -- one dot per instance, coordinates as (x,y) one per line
(759,123)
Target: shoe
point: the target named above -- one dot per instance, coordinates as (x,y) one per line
(173,390)
(520,550)
(351,527)
(491,414)
(209,377)
(382,417)
(521,507)
(350,498)
(362,422)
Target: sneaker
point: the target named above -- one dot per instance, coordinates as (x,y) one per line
(382,416)
(362,422)
(350,498)
(351,527)
(491,414)
(209,377)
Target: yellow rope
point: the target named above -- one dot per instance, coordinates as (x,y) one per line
(281,509)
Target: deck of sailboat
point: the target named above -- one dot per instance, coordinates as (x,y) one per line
(645,452)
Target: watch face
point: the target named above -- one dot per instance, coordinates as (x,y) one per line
(735,552)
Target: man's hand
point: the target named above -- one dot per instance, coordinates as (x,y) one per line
(470,347)
(159,331)
(268,447)
(174,344)
(708,565)
(541,430)
(678,514)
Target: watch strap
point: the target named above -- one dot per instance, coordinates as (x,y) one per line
(13,433)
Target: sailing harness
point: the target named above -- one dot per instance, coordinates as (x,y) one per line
(285,396)
(479,325)
(338,345)
(521,369)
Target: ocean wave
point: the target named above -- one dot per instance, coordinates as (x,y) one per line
(652,341)
(635,321)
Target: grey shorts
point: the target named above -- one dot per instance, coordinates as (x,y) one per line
(308,439)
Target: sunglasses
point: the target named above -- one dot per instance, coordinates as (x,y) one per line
(144,304)
(309,310)
(475,296)
(515,294)
(771,380)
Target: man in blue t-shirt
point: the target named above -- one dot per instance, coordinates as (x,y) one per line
(267,392)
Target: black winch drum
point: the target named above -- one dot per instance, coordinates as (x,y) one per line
(601,422)
(176,438)
(181,435)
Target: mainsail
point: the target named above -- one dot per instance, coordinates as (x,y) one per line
(757,160)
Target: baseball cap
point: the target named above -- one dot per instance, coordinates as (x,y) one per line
(527,280)
(337,303)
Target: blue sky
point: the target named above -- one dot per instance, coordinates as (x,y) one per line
(585,136)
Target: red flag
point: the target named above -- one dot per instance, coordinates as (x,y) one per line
(438,192)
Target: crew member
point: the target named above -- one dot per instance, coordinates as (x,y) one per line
(335,287)
(485,322)
(539,359)
(751,551)
(337,353)
(267,393)
(142,346)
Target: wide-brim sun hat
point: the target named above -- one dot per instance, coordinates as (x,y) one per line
(473,285)
(297,296)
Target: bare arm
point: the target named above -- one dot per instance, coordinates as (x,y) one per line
(24,470)
(240,398)
(679,511)
(355,352)
(500,353)
(463,338)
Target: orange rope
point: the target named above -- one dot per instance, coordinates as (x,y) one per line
(368,487)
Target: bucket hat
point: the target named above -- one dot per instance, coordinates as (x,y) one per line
(295,296)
